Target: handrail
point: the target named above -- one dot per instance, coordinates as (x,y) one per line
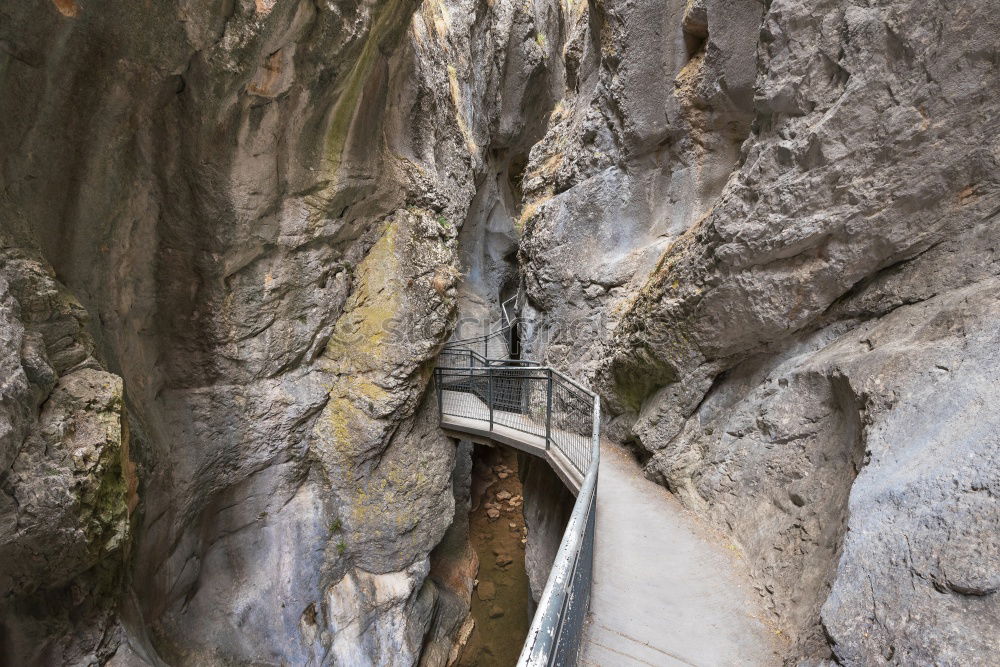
(508,324)
(542,645)
(503,309)
(556,629)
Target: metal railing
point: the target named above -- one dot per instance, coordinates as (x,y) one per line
(551,408)
(497,344)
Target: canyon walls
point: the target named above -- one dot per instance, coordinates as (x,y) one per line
(234,234)
(230,256)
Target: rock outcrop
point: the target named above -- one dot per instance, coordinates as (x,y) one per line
(68,484)
(257,206)
(228,191)
(547,508)
(786,297)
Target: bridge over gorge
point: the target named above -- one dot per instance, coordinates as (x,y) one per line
(636,580)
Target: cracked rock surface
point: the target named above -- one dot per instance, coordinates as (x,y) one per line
(771,243)
(246,217)
(68,486)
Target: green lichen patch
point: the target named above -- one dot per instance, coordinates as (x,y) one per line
(380,357)
(392,18)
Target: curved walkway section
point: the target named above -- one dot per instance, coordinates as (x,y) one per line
(465,416)
(659,588)
(543,412)
(665,592)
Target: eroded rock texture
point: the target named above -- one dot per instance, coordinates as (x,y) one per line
(547,508)
(257,204)
(67,484)
(235,234)
(771,239)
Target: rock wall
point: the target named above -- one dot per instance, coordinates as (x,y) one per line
(256,203)
(548,504)
(68,484)
(768,233)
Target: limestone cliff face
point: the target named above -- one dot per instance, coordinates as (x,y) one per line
(771,240)
(68,484)
(233,235)
(256,203)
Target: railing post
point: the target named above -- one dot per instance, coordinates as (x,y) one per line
(489,393)
(548,407)
(596,436)
(439,385)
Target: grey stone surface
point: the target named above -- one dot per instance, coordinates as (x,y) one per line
(258,203)
(766,231)
(547,506)
(636,153)
(712,223)
(67,486)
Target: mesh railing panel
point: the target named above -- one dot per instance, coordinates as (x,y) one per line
(494,345)
(572,422)
(463,393)
(519,398)
(459,358)
(526,398)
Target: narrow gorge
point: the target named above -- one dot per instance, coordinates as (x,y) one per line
(235,236)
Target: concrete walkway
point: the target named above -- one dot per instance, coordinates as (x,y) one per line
(665,591)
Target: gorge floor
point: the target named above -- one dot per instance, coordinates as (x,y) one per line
(501,603)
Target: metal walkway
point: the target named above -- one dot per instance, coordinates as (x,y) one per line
(658,590)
